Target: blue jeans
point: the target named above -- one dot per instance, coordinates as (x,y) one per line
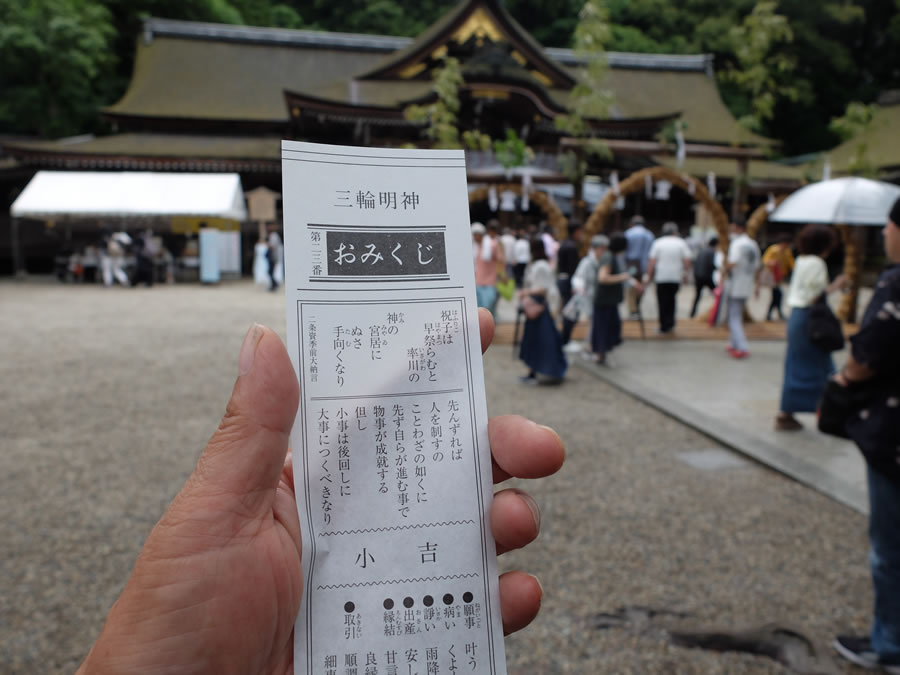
(736,336)
(486,296)
(884,559)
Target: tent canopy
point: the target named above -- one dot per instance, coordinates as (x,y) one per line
(57,195)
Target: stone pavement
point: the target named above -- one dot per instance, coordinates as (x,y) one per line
(651,526)
(735,402)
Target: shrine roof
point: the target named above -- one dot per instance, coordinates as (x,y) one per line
(153,150)
(199,71)
(881,140)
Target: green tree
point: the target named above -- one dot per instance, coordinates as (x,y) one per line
(590,99)
(512,151)
(383,17)
(55,58)
(764,70)
(440,117)
(550,22)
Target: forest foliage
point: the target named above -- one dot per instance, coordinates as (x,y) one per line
(785,68)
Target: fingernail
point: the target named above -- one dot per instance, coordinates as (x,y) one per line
(540,585)
(248,349)
(532,505)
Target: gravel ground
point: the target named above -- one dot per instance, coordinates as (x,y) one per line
(109,395)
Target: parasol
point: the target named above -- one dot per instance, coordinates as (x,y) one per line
(842,202)
(839,201)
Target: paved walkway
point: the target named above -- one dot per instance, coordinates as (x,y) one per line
(735,402)
(695,381)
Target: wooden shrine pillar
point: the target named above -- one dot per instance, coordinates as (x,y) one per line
(739,191)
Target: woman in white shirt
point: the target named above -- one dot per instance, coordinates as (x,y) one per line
(806,366)
(541,347)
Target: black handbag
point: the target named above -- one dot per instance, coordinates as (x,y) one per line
(825,330)
(839,403)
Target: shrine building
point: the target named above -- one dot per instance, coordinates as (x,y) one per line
(219,98)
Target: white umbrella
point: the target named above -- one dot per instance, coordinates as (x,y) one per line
(845,201)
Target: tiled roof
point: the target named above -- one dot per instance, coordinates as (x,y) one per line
(159,151)
(882,141)
(271,36)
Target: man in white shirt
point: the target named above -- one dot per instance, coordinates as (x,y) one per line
(670,262)
(743,269)
(521,257)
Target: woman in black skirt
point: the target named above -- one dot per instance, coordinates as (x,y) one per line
(541,347)
(606,329)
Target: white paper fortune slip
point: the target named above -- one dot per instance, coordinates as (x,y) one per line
(391,459)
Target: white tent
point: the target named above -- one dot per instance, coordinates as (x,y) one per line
(58,195)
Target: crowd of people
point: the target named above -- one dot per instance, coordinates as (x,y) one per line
(575,279)
(112,255)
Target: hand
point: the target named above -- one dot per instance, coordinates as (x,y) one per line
(217,586)
(841,281)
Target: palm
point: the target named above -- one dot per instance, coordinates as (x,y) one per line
(257,589)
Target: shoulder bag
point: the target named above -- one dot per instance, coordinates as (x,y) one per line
(532,308)
(825,330)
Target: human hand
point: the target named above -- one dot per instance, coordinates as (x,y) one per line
(218,584)
(841,281)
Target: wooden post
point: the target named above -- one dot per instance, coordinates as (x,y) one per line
(578,214)
(739,190)
(853,252)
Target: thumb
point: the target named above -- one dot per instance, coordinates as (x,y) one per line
(245,455)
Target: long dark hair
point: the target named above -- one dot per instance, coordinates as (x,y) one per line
(538,250)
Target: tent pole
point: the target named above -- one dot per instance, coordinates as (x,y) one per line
(18,267)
